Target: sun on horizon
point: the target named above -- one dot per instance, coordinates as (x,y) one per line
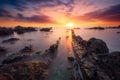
(70,25)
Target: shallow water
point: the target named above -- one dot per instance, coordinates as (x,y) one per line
(58,70)
(42,40)
(110,36)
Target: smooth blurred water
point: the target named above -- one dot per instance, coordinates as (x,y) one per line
(110,36)
(42,40)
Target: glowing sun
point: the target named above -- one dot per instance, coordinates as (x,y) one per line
(70,25)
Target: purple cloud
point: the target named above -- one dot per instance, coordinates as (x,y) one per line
(35,18)
(107,14)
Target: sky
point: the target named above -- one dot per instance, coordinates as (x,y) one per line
(59,12)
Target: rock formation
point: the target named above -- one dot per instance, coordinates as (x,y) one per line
(20,29)
(5,31)
(11,40)
(96,46)
(97,62)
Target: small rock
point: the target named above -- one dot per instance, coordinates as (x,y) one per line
(11,40)
(2,49)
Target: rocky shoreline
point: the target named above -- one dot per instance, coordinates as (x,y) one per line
(18,29)
(104,28)
(96,61)
(14,67)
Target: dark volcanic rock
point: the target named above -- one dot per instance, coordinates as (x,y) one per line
(114,27)
(27,49)
(2,49)
(46,29)
(5,31)
(24,71)
(97,28)
(53,48)
(12,59)
(18,56)
(11,40)
(97,46)
(118,32)
(98,63)
(20,29)
(110,64)
(71,58)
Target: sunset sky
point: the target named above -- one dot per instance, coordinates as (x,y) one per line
(59,12)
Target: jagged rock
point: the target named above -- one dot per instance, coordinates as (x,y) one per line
(20,29)
(97,46)
(12,59)
(27,49)
(5,31)
(11,40)
(53,48)
(24,71)
(78,38)
(110,64)
(16,57)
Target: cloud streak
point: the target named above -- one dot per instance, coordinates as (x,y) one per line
(111,14)
(52,11)
(107,14)
(35,18)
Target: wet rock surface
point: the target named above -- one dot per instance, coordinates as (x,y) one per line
(16,67)
(110,65)
(27,49)
(97,63)
(24,71)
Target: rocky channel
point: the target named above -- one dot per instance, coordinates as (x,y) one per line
(96,61)
(14,67)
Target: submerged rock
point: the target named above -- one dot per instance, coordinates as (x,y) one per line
(97,46)
(12,59)
(39,52)
(71,58)
(11,40)
(27,49)
(118,32)
(18,56)
(2,49)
